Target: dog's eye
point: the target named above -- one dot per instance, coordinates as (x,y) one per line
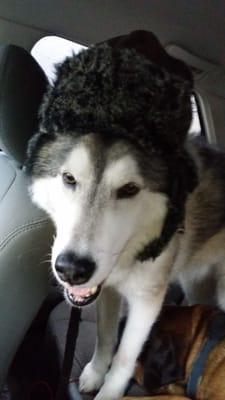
(69,179)
(128,190)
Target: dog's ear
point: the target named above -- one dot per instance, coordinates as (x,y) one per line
(161,362)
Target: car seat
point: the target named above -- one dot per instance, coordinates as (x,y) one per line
(25,231)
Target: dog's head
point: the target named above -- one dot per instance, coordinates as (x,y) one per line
(112,131)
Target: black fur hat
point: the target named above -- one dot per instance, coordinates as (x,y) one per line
(128,86)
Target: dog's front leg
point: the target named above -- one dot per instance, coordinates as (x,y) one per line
(142,315)
(108,307)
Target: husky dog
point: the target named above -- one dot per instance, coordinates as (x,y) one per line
(111,166)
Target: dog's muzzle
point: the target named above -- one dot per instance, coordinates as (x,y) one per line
(74,271)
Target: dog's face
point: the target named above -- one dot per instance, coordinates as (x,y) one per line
(107,202)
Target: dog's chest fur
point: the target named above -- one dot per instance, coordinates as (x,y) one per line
(144,279)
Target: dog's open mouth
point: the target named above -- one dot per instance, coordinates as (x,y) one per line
(80,297)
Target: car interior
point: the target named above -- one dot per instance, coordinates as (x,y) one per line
(33,314)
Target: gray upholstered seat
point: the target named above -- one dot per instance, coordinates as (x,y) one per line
(25,231)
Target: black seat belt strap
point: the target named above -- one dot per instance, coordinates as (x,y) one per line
(71,339)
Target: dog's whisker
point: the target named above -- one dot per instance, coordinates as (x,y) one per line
(46,262)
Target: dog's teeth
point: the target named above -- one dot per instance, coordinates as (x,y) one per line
(71,296)
(79,299)
(94,290)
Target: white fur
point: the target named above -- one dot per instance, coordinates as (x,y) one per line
(122,171)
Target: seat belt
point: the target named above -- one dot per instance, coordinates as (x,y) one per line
(71,339)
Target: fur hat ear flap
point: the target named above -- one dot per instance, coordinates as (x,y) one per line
(36,143)
(176,85)
(147,44)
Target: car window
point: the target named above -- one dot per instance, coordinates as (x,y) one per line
(196,127)
(52,50)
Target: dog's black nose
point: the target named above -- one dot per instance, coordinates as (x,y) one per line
(73,269)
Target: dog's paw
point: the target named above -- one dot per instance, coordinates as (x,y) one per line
(108,392)
(115,383)
(91,378)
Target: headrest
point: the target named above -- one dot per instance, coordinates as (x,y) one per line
(22,85)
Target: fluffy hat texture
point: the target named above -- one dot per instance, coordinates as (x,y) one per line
(128,87)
